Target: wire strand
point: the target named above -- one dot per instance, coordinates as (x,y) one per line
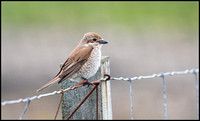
(192,71)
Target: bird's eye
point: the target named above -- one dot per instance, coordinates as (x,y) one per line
(94,39)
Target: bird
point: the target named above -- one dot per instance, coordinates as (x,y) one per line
(83,62)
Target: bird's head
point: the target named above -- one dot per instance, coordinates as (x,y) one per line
(92,39)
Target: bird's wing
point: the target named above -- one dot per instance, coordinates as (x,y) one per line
(75,61)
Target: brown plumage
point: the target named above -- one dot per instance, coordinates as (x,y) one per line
(83,62)
(74,62)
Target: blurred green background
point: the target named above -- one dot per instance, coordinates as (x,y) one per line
(144,38)
(129,14)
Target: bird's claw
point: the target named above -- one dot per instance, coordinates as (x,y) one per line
(87,83)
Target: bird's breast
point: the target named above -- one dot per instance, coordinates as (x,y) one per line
(92,64)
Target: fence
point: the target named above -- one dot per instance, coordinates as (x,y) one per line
(162,75)
(107,113)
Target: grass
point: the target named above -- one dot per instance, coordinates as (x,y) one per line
(180,14)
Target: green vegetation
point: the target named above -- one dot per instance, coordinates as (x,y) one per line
(184,14)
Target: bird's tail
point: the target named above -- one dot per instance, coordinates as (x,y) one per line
(50,83)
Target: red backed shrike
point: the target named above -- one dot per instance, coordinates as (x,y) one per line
(83,62)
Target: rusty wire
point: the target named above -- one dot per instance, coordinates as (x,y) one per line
(84,99)
(97,103)
(96,83)
(192,71)
(61,98)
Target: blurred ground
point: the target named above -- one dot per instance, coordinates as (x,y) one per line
(31,55)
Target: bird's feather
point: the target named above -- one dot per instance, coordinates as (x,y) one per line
(77,58)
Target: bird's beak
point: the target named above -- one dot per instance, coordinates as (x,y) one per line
(102,42)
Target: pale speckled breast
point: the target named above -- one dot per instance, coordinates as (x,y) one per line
(92,65)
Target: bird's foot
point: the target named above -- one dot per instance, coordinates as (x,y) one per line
(86,82)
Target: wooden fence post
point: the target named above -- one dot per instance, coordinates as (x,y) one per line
(72,98)
(106,90)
